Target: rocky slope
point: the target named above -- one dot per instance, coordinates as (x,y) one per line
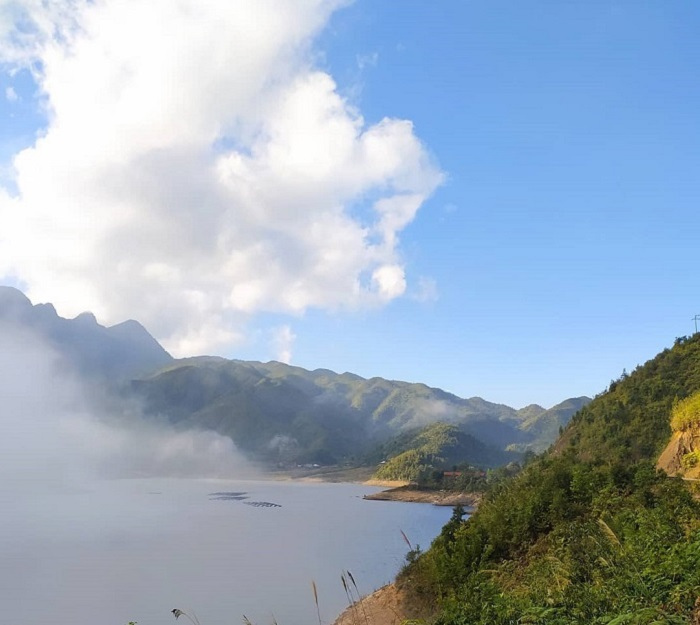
(681,445)
(682,454)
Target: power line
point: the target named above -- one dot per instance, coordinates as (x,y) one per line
(696,319)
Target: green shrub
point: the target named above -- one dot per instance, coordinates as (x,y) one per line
(690,460)
(686,413)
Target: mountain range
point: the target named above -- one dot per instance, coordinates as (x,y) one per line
(274,412)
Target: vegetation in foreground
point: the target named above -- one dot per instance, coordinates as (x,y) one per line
(588,533)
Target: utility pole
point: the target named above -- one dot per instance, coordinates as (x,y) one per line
(696,319)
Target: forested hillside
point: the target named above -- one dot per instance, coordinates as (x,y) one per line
(415,456)
(589,533)
(285,414)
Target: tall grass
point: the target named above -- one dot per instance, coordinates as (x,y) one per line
(686,413)
(354,602)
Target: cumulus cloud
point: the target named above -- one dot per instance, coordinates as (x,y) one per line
(390,281)
(11,94)
(196,168)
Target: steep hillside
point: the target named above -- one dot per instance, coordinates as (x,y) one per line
(631,421)
(682,454)
(589,533)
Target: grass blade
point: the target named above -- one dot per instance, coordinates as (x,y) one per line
(318,611)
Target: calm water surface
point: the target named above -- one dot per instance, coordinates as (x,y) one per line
(126,550)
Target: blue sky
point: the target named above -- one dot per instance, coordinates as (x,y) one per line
(558,248)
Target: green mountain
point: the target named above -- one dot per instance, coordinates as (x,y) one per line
(632,420)
(275,412)
(284,414)
(539,428)
(587,533)
(416,454)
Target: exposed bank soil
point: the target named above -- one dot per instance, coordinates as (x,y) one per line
(386,606)
(358,475)
(387,483)
(681,443)
(435,497)
(397,490)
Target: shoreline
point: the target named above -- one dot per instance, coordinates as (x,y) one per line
(387,605)
(394,490)
(412,494)
(330,475)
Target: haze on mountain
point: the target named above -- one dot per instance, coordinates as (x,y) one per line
(276,413)
(117,353)
(62,419)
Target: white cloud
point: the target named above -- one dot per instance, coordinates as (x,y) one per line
(282,342)
(11,94)
(390,281)
(197,169)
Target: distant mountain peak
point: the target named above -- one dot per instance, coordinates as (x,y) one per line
(12,299)
(131,331)
(130,326)
(532,408)
(86,318)
(48,308)
(120,352)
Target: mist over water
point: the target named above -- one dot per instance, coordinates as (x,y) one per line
(37,403)
(82,544)
(53,431)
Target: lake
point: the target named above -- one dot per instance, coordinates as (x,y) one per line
(132,550)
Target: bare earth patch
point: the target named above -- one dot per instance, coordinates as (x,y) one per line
(386,483)
(333,474)
(435,497)
(386,606)
(671,460)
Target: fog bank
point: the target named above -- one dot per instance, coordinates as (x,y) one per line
(50,432)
